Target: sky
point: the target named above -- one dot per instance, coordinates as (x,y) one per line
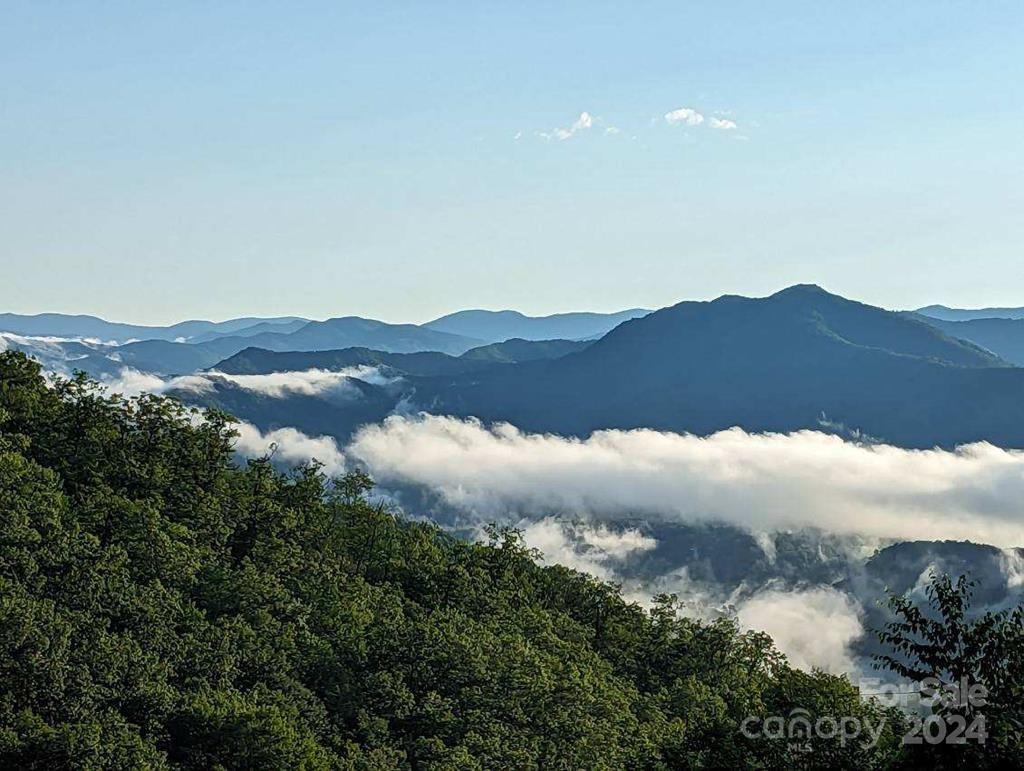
(161,161)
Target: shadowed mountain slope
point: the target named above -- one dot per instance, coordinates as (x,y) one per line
(794,360)
(1004,337)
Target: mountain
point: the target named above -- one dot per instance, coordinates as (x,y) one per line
(283,326)
(517,350)
(169,357)
(80,326)
(497,326)
(259,361)
(396,378)
(338,413)
(1003,336)
(802,358)
(356,332)
(960,314)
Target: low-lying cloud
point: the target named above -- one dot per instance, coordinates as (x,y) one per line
(290,447)
(311,382)
(594,549)
(760,482)
(275,385)
(131,382)
(813,627)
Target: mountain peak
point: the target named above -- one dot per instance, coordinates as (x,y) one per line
(802,289)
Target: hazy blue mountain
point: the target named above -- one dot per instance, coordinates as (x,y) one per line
(314,415)
(497,326)
(1004,337)
(517,350)
(63,356)
(785,362)
(163,357)
(802,358)
(168,357)
(283,326)
(353,331)
(159,357)
(965,314)
(259,361)
(80,326)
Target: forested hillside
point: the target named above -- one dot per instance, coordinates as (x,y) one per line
(161,606)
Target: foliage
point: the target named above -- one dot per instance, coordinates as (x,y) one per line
(162,606)
(974,664)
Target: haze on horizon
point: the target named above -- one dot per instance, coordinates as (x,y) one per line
(400,163)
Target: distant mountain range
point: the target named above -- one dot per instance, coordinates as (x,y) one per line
(78,326)
(165,357)
(962,314)
(496,326)
(799,359)
(100,347)
(258,361)
(802,358)
(1003,336)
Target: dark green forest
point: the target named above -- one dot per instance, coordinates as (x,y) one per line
(164,606)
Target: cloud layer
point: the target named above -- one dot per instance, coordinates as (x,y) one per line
(813,627)
(761,482)
(290,447)
(276,385)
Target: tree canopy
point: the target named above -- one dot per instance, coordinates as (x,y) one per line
(165,606)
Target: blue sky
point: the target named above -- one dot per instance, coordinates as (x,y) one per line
(170,160)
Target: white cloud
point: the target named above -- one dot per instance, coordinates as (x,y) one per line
(290,447)
(131,382)
(813,627)
(722,124)
(1012,563)
(582,123)
(592,549)
(761,482)
(55,340)
(684,116)
(312,382)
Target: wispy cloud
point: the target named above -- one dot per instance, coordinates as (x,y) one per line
(582,123)
(813,626)
(722,124)
(276,385)
(593,549)
(131,382)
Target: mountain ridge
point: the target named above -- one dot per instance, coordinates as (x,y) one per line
(497,326)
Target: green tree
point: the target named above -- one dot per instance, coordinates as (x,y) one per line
(970,669)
